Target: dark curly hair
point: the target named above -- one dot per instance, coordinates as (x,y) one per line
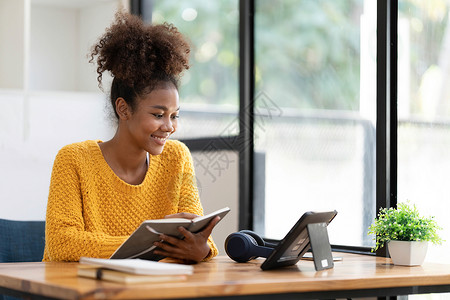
(139,57)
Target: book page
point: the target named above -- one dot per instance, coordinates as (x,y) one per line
(167,228)
(199,223)
(170,220)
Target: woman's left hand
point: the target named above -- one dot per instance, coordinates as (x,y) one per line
(193,248)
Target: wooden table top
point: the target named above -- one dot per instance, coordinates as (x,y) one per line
(224,277)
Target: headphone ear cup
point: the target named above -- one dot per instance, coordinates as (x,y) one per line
(242,247)
(238,246)
(259,240)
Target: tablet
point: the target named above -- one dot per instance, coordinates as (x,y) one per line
(296,242)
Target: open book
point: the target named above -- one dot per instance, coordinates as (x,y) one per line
(140,243)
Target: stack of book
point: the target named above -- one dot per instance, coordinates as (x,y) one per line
(132,270)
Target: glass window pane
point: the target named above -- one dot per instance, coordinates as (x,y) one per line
(315,113)
(209,89)
(424,112)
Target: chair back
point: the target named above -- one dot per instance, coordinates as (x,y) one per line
(21,241)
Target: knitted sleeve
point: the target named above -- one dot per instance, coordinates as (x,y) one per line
(189,197)
(65,235)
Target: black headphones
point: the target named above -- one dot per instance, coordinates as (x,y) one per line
(245,245)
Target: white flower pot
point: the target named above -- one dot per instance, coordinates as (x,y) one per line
(407,253)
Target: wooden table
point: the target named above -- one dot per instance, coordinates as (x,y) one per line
(354,276)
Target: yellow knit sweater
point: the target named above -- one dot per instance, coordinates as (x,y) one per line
(91,211)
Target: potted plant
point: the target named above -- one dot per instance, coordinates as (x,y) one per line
(406,233)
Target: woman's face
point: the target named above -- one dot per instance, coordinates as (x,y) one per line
(154,119)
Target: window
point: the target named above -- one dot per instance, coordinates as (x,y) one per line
(315,113)
(424,111)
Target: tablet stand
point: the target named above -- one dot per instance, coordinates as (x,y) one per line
(320,246)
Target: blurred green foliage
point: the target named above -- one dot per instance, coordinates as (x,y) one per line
(426,23)
(307,52)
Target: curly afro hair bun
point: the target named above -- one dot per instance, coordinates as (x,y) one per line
(139,56)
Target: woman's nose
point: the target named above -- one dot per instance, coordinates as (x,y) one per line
(168,125)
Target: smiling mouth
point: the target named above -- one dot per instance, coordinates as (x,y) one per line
(160,138)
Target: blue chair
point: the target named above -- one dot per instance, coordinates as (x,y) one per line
(21,241)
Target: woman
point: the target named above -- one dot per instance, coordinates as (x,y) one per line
(101,191)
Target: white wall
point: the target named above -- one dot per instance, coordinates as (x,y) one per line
(40,54)
(60,45)
(33,128)
(218,192)
(91,20)
(53,43)
(12,44)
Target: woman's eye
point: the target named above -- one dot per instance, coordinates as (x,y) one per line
(175,117)
(158,116)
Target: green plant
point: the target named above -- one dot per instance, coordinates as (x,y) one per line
(403,224)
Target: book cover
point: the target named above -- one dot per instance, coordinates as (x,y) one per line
(140,243)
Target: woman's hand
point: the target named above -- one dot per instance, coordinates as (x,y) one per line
(194,246)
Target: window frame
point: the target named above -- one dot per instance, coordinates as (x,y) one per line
(387,120)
